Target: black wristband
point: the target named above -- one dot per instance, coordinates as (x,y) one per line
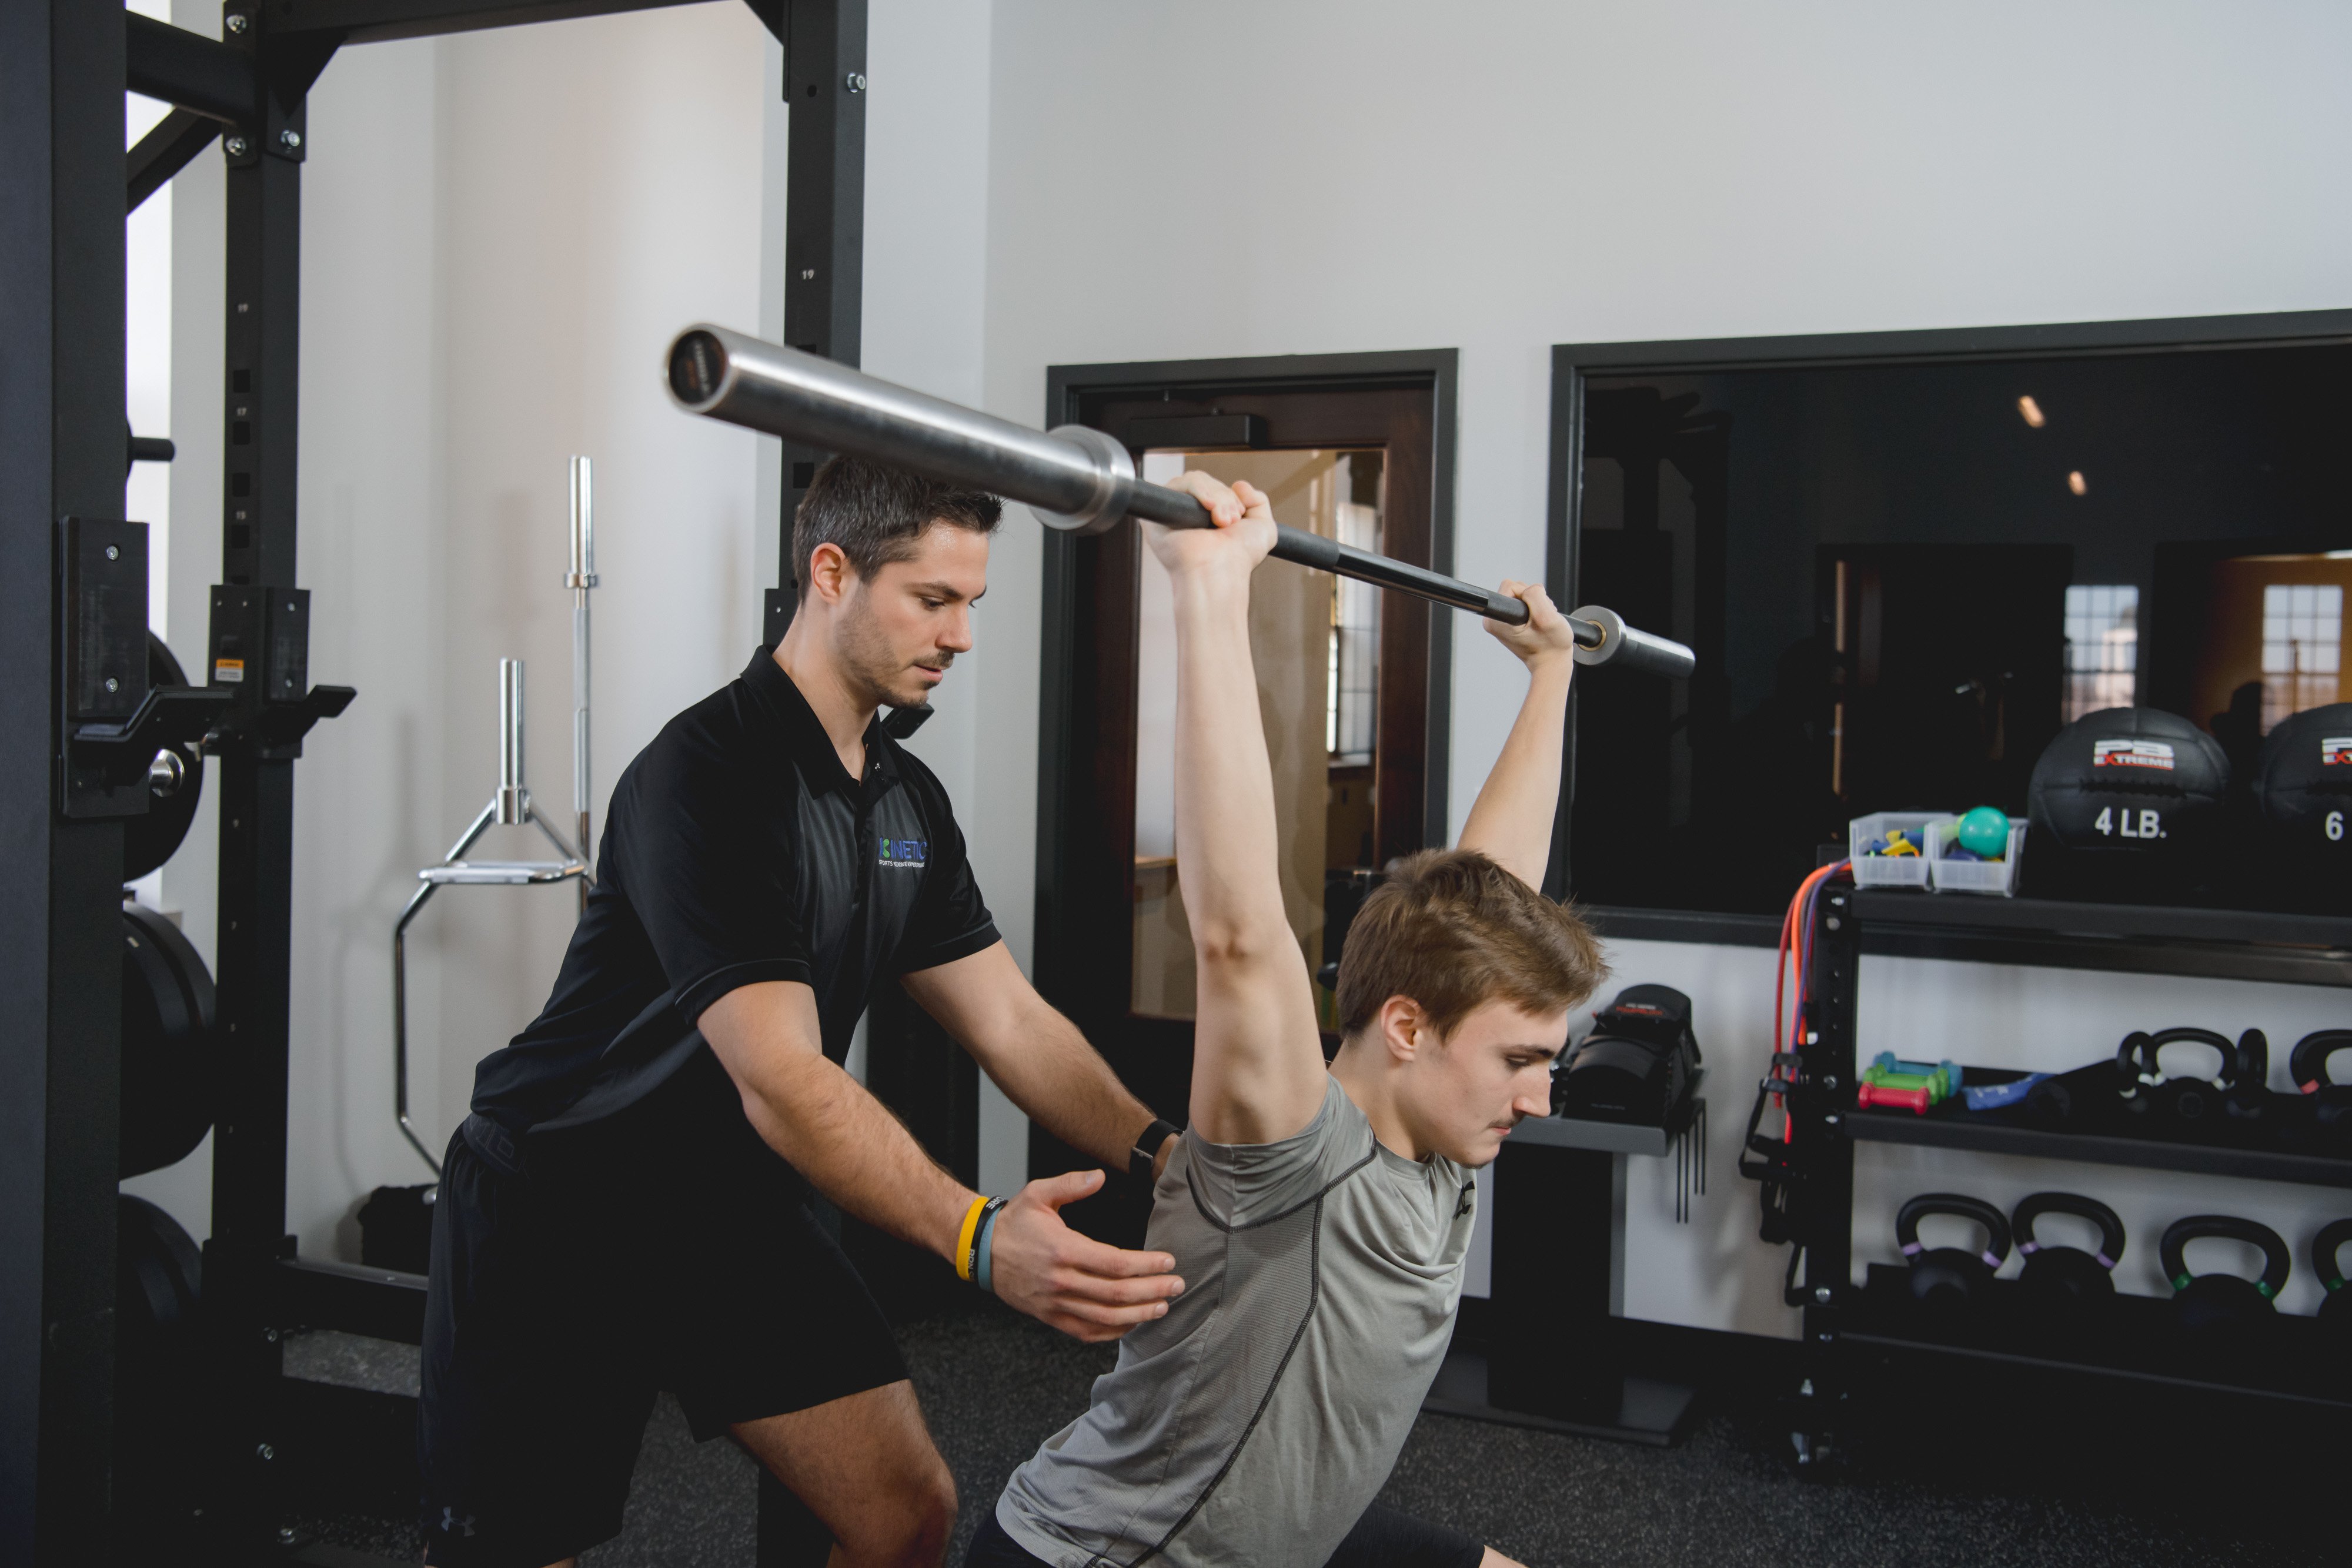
(1147,1150)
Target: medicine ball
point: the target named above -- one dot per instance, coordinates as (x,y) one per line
(2126,802)
(170,1060)
(2303,793)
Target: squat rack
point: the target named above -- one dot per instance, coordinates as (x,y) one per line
(73,633)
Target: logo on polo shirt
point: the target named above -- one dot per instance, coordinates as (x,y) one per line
(909,853)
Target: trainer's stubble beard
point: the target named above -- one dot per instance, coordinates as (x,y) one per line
(878,675)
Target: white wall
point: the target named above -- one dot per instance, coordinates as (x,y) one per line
(1502,177)
(502,229)
(598,187)
(927,172)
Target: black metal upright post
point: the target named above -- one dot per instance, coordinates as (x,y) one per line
(61,455)
(824,224)
(258,648)
(1822,1200)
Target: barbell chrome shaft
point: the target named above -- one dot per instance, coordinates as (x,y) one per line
(1079,480)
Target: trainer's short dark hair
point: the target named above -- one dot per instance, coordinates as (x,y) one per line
(1454,931)
(876,511)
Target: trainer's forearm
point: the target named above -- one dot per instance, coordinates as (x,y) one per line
(1511,821)
(852,1150)
(1035,1054)
(1066,1086)
(845,1142)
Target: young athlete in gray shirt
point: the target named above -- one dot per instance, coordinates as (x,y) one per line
(1319,1218)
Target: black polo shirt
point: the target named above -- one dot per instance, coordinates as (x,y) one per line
(738,849)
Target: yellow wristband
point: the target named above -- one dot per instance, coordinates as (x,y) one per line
(964,1237)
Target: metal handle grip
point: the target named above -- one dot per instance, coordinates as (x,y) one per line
(513,802)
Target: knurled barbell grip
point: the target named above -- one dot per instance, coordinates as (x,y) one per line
(1179,509)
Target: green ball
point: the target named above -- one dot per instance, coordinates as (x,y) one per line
(1983,831)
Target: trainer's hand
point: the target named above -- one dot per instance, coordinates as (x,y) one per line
(1086,1289)
(1545,639)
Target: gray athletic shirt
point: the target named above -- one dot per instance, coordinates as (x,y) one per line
(1254,1422)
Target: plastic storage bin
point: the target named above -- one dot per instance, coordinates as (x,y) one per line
(1997,877)
(1892,871)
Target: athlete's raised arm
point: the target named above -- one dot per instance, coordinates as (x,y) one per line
(1257,1060)
(1511,823)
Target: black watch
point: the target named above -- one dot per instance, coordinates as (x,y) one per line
(1146,1149)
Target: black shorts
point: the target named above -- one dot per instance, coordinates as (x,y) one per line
(668,1249)
(1384,1538)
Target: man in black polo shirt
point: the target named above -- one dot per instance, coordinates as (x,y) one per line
(625,1208)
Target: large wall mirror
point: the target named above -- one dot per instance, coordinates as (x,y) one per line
(1906,561)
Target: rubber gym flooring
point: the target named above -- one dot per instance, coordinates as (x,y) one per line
(993,1383)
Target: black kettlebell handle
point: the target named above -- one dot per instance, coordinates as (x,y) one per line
(2111,1226)
(2136,1062)
(2308,1063)
(2277,1262)
(2184,1035)
(2332,1235)
(1995,1223)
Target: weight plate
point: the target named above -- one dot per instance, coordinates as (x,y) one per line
(169,1058)
(151,839)
(159,1277)
(162,1413)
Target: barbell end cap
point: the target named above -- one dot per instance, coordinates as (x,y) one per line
(1114,483)
(695,368)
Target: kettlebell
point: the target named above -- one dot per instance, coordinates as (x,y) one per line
(2087,1097)
(2249,1099)
(2330,1103)
(2184,1102)
(2136,1070)
(2335,1309)
(1948,1281)
(2067,1284)
(2222,1311)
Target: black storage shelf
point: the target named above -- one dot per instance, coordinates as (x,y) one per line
(1951,1126)
(1852,1336)
(2213,942)
(2289,1357)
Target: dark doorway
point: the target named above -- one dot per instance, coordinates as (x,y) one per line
(1352,686)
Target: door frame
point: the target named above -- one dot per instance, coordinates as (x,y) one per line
(1063,774)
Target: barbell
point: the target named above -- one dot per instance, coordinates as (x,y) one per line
(1075,479)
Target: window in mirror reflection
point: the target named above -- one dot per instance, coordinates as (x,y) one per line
(2303,635)
(2102,647)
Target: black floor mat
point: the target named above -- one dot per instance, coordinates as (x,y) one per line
(994,1385)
